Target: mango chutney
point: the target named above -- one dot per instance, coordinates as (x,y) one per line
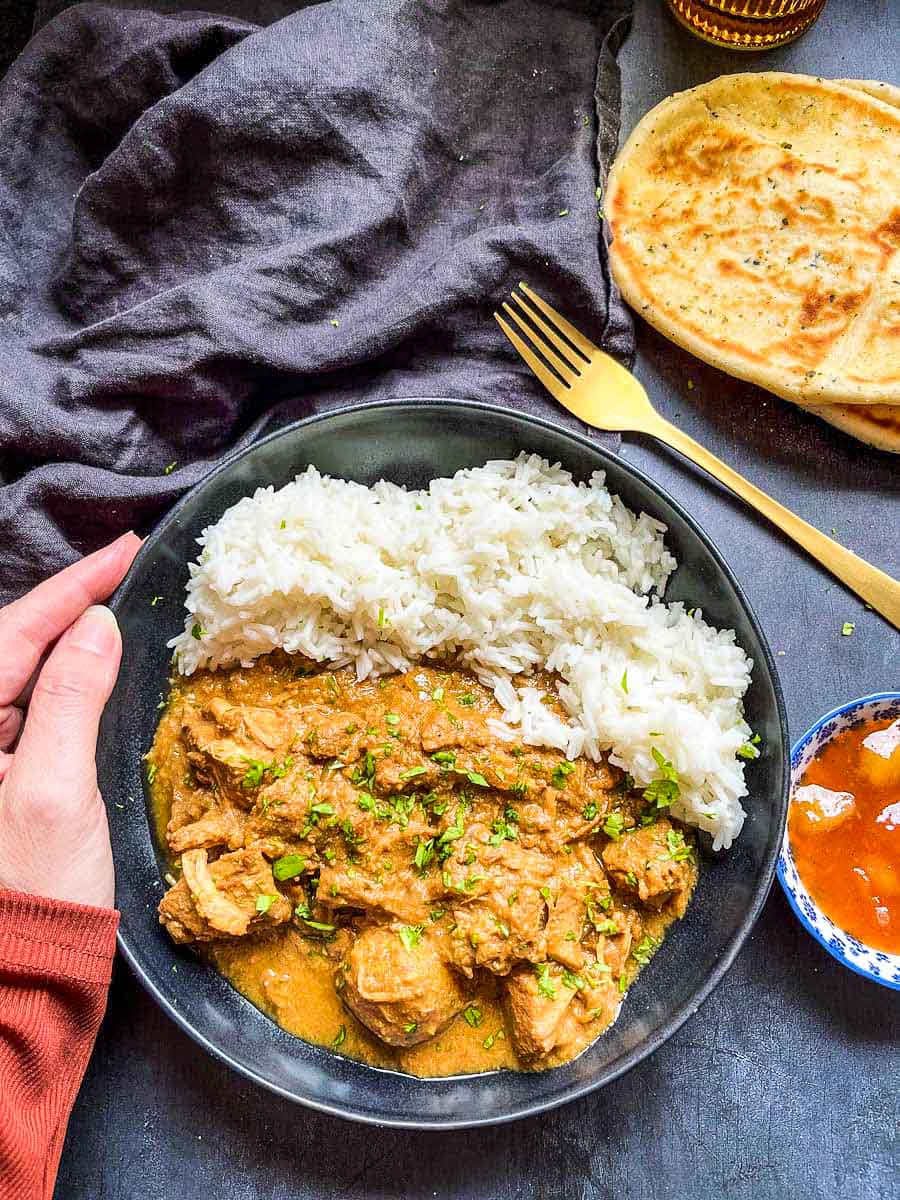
(844,828)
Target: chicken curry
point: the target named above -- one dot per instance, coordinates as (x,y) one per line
(382,867)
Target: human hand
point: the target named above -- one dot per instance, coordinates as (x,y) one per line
(54,837)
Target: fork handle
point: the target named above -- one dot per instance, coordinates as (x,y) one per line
(874,586)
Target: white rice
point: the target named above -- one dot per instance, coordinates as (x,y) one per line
(511,566)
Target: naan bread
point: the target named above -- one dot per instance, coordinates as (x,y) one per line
(877,424)
(756,222)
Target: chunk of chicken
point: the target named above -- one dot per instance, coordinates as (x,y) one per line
(295,813)
(564,926)
(264,726)
(643,863)
(222,899)
(216,907)
(256,738)
(438,732)
(405,897)
(613,947)
(500,915)
(204,824)
(582,888)
(537,1002)
(325,733)
(404,994)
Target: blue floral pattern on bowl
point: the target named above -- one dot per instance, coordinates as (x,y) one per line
(876,965)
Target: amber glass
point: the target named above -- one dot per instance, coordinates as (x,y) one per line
(747,24)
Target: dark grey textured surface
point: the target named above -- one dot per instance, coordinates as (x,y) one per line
(786,1083)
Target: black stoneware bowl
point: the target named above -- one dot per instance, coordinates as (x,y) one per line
(412,442)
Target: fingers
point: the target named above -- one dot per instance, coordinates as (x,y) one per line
(30,625)
(10,725)
(55,755)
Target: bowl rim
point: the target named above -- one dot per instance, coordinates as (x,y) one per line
(768,864)
(790,894)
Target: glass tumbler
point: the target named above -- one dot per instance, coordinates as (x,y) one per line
(747,24)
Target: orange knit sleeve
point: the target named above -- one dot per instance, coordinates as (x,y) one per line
(55,965)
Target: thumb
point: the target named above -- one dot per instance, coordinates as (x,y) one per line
(59,741)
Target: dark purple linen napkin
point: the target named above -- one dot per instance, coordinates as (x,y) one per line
(212,227)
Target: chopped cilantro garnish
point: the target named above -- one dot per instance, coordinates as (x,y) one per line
(197,631)
(589,811)
(264,903)
(340,1037)
(467,699)
(473,1015)
(613,825)
(151,772)
(644,950)
(445,758)
(561,773)
(679,850)
(425,852)
(502,831)
(319,925)
(847,628)
(288,866)
(391,719)
(575,982)
(624,683)
(545,983)
(413,772)
(438,694)
(453,832)
(492,1038)
(322,810)
(478,780)
(410,1026)
(410,935)
(256,770)
(664,790)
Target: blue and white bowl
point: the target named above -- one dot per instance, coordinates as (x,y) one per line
(876,965)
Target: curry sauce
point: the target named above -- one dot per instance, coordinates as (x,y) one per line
(384,868)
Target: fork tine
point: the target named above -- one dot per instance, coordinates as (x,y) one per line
(570,358)
(585,345)
(561,365)
(546,376)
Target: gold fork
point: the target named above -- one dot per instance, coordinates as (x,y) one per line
(593,386)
